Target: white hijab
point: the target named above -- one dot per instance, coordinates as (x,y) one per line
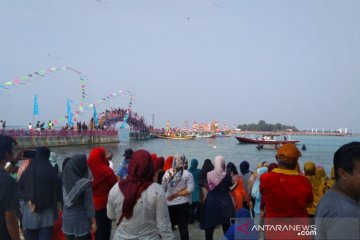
(215,176)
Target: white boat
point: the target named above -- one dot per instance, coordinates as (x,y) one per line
(204,135)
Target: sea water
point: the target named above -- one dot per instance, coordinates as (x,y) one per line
(319,149)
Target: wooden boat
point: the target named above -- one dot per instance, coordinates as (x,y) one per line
(266,139)
(176,137)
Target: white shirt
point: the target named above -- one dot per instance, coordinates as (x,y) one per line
(111,165)
(150,215)
(186,181)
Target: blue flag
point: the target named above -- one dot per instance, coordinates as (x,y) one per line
(36,106)
(125,120)
(96,120)
(70,121)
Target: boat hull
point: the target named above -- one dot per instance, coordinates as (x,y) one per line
(245,140)
(268,146)
(176,137)
(205,136)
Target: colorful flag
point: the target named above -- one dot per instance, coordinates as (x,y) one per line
(70,121)
(125,120)
(36,106)
(96,120)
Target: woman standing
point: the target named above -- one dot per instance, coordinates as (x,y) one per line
(245,173)
(138,204)
(39,190)
(203,183)
(255,193)
(104,179)
(238,192)
(78,214)
(195,195)
(179,184)
(218,198)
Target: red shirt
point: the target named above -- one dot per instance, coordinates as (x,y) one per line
(285,194)
(101,192)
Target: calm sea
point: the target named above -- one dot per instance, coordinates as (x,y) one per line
(319,149)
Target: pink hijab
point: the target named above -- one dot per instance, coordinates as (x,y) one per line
(215,176)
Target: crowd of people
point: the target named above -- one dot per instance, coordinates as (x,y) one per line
(113,115)
(150,197)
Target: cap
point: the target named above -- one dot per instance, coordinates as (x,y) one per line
(288,151)
(128,153)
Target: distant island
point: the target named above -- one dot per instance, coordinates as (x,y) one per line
(264,126)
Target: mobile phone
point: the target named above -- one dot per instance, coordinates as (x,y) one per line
(29,154)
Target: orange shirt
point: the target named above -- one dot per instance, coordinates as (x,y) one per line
(239,194)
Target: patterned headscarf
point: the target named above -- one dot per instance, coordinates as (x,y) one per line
(177,169)
(179,161)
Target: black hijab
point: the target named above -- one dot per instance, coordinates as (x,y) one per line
(207,167)
(66,160)
(75,178)
(39,182)
(244,167)
(231,168)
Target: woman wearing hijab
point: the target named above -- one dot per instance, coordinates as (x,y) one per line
(38,188)
(195,195)
(272,166)
(79,213)
(158,168)
(178,184)
(168,163)
(138,204)
(246,173)
(255,193)
(203,183)
(219,183)
(326,184)
(238,192)
(104,179)
(53,161)
(310,173)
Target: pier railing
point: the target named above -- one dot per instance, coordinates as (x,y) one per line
(56,133)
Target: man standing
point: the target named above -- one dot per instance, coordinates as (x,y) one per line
(9,203)
(123,168)
(338,213)
(285,193)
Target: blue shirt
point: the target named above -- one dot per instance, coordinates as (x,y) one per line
(123,168)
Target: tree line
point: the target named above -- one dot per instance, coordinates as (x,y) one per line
(264,126)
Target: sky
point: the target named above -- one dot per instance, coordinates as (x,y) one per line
(234,61)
